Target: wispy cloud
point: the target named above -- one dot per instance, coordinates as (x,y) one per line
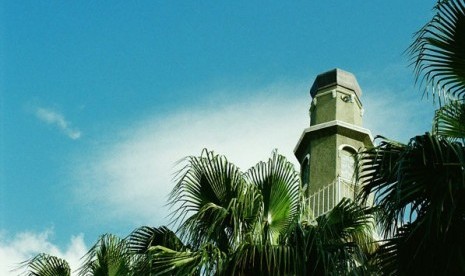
(57,119)
(129,180)
(25,245)
(394,107)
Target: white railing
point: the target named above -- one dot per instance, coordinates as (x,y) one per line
(328,196)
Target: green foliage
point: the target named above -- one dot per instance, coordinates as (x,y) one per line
(438,50)
(236,223)
(449,121)
(46,265)
(141,243)
(420,188)
(278,184)
(108,257)
(250,225)
(210,192)
(234,211)
(339,242)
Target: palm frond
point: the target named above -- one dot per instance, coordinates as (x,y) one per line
(408,179)
(208,189)
(264,259)
(420,191)
(340,242)
(207,260)
(46,265)
(438,51)
(350,222)
(345,237)
(449,121)
(141,239)
(377,170)
(412,251)
(278,183)
(107,257)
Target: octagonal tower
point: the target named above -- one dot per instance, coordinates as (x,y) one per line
(326,149)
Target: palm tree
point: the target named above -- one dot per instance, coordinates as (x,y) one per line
(144,242)
(219,211)
(249,223)
(339,242)
(437,51)
(231,222)
(419,187)
(449,121)
(108,257)
(46,265)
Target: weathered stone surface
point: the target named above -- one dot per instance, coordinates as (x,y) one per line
(325,149)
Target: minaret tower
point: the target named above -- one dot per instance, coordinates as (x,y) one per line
(326,149)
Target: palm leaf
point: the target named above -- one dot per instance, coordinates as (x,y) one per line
(420,190)
(438,51)
(449,121)
(278,183)
(207,260)
(411,252)
(108,257)
(345,237)
(209,189)
(377,170)
(339,242)
(141,239)
(263,259)
(47,265)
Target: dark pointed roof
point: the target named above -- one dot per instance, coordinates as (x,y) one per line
(336,77)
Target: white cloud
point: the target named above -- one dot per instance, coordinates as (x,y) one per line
(397,117)
(130,179)
(52,117)
(25,245)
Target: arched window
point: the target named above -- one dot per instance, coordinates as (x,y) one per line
(305,173)
(347,155)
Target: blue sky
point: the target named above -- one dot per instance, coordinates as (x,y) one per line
(99,100)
